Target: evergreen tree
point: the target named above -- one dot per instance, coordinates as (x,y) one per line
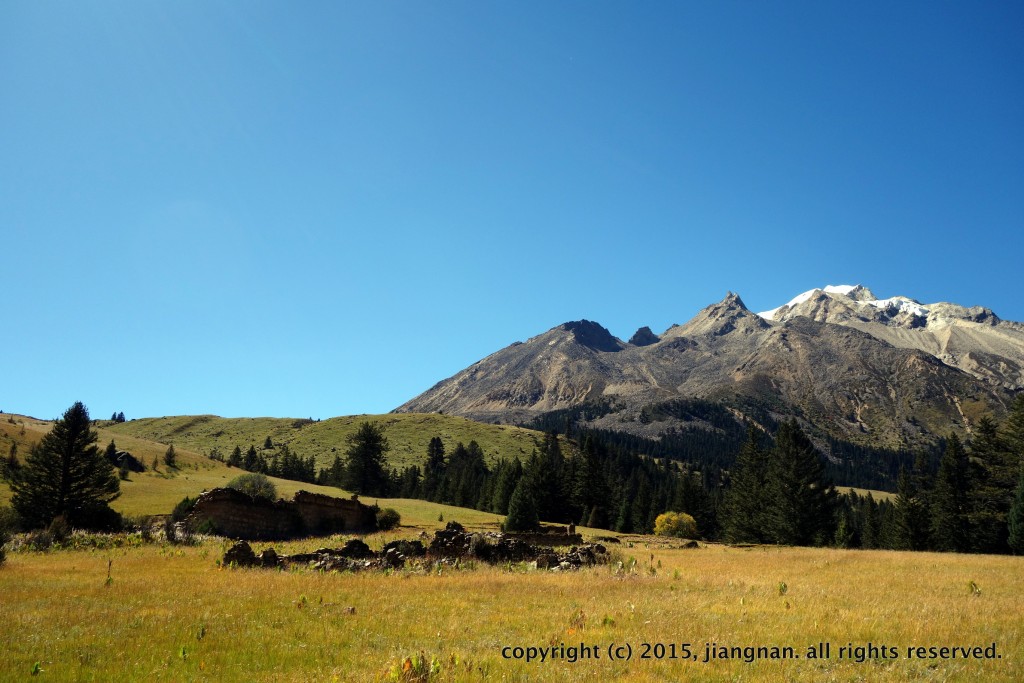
(235,459)
(364,468)
(911,532)
(335,474)
(1016,517)
(801,503)
(170,457)
(110,453)
(745,504)
(522,509)
(993,479)
(251,459)
(950,524)
(870,532)
(434,470)
(66,475)
(844,529)
(507,476)
(590,489)
(1013,429)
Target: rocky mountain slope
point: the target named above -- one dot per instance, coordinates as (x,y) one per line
(889,372)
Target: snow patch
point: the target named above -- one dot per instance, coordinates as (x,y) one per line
(902,304)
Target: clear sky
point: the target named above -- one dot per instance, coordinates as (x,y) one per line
(313,209)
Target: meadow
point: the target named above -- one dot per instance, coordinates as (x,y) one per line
(172,613)
(129,610)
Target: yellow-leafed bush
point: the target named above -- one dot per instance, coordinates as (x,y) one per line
(675,524)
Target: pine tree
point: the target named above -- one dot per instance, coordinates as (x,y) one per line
(1013,428)
(66,475)
(507,476)
(746,502)
(950,524)
(871,523)
(434,470)
(522,509)
(1016,518)
(170,457)
(110,453)
(993,479)
(911,532)
(235,459)
(801,503)
(364,468)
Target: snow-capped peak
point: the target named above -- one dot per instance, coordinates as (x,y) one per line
(901,304)
(858,296)
(845,290)
(840,289)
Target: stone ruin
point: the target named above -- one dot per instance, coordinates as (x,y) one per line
(451,545)
(237,515)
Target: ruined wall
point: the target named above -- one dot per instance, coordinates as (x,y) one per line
(237,515)
(327,515)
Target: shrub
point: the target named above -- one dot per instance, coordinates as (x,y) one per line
(388,519)
(182,509)
(254,484)
(677,524)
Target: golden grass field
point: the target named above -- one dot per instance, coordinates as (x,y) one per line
(171,613)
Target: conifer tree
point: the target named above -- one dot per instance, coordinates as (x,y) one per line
(110,453)
(745,503)
(522,508)
(993,480)
(950,524)
(801,503)
(507,476)
(1016,518)
(364,468)
(170,457)
(911,531)
(66,475)
(251,459)
(434,470)
(1013,429)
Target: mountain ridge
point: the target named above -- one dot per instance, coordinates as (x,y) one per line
(891,371)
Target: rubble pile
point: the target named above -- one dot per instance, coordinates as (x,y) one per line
(451,545)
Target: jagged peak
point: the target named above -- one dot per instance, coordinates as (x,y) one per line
(644,337)
(592,335)
(733,300)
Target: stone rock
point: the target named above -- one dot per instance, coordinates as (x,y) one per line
(268,558)
(356,549)
(240,555)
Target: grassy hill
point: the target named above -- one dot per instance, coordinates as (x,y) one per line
(158,491)
(408,434)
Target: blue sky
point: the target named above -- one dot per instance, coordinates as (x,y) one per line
(323,208)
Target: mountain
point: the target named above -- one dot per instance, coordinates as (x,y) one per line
(890,372)
(972,339)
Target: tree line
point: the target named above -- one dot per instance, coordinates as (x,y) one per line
(776,489)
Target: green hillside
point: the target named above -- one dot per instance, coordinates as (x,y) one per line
(408,434)
(156,492)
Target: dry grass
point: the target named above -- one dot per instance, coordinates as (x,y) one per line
(172,614)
